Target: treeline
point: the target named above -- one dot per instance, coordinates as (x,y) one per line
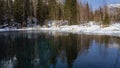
(72,10)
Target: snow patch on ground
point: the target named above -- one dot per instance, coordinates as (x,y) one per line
(89,28)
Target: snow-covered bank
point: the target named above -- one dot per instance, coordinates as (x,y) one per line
(89,28)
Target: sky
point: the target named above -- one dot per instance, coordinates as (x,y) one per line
(95,4)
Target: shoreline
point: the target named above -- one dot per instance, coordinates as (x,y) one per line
(90,28)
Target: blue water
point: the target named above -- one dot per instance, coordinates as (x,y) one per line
(34,49)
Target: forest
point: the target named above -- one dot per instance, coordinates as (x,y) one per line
(74,11)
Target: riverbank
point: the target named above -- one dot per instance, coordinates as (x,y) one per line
(89,28)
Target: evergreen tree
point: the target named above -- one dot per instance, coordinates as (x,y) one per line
(42,11)
(87,12)
(52,9)
(55,10)
(106,20)
(1,11)
(26,9)
(71,11)
(9,7)
(34,3)
(18,10)
(21,10)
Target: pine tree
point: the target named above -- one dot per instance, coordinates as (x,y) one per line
(21,10)
(52,9)
(34,3)
(18,10)
(26,9)
(71,11)
(87,12)
(55,10)
(42,11)
(106,20)
(1,11)
(9,5)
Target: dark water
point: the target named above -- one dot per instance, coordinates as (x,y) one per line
(58,50)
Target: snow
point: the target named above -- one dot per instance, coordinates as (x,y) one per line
(114,6)
(113,9)
(90,28)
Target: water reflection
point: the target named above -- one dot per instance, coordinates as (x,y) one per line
(10,63)
(58,50)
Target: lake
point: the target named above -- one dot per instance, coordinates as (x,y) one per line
(44,49)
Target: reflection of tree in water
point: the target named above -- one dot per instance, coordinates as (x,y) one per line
(69,44)
(28,46)
(74,44)
(55,49)
(44,52)
(107,40)
(22,46)
(84,42)
(7,45)
(117,59)
(103,40)
(117,40)
(24,51)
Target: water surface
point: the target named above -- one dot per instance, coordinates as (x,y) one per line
(34,49)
